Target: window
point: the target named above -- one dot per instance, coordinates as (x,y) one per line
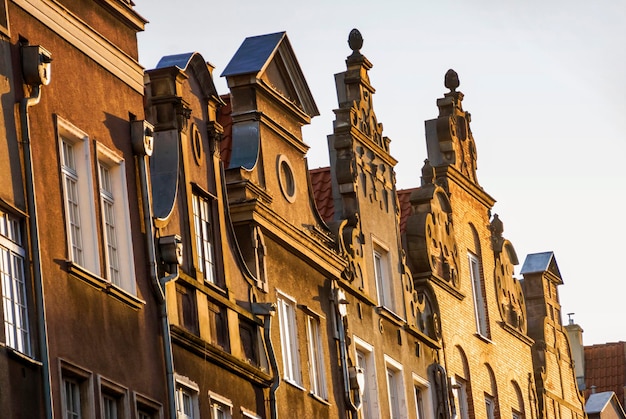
(316,358)
(221,407)
(186,304)
(204,237)
(78,195)
(146,408)
(4,19)
(218,331)
(113,400)
(116,220)
(12,255)
(248,339)
(480,307)
(77,402)
(460,388)
(72,399)
(289,340)
(383,278)
(490,407)
(421,391)
(395,389)
(186,399)
(365,359)
(249,414)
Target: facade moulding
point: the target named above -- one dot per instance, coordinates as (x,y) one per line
(84,38)
(449,172)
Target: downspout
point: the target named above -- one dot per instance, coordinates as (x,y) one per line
(158,284)
(267,310)
(350,380)
(42,332)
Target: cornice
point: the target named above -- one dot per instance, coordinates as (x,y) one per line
(86,39)
(300,241)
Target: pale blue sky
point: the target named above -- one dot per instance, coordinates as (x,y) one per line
(545,82)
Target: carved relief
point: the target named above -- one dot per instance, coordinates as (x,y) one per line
(509,292)
(456,141)
(430,235)
(350,242)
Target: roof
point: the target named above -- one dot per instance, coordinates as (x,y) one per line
(253,54)
(596,402)
(605,368)
(192,63)
(539,263)
(322,192)
(404,196)
(272,60)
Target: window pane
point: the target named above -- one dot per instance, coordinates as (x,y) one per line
(204,237)
(72,399)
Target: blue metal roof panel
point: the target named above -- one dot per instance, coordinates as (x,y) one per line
(537,262)
(598,401)
(178,60)
(253,53)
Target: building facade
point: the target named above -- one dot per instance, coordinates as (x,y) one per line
(167,253)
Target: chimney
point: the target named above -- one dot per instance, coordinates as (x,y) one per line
(575,335)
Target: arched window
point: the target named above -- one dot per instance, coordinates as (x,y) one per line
(474,259)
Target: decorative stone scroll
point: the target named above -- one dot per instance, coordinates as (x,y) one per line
(350,242)
(509,292)
(430,235)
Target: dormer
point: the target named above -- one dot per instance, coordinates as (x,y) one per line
(270,102)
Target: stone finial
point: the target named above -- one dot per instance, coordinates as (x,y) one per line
(355,41)
(451,80)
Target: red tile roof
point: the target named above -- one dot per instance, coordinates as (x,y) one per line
(224,118)
(605,368)
(405,206)
(322,192)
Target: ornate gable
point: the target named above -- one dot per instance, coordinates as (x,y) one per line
(511,303)
(430,238)
(449,137)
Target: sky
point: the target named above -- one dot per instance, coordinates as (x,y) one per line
(545,82)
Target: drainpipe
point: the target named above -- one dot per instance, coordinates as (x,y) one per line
(353,376)
(268,310)
(36,71)
(142,144)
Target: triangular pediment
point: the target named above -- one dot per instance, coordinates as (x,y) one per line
(271,60)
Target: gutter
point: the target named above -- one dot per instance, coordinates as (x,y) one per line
(33,229)
(144,150)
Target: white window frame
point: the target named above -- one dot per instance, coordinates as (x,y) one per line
(80,219)
(249,414)
(364,358)
(424,405)
(459,387)
(395,389)
(287,316)
(205,236)
(317,366)
(118,245)
(382,275)
(480,305)
(13,278)
(186,387)
(221,407)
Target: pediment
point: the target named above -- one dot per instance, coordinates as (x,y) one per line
(192,64)
(271,60)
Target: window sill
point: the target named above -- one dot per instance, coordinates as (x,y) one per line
(294,384)
(390,315)
(104,286)
(483,338)
(21,357)
(319,399)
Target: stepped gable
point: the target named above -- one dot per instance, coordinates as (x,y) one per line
(322,192)
(605,368)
